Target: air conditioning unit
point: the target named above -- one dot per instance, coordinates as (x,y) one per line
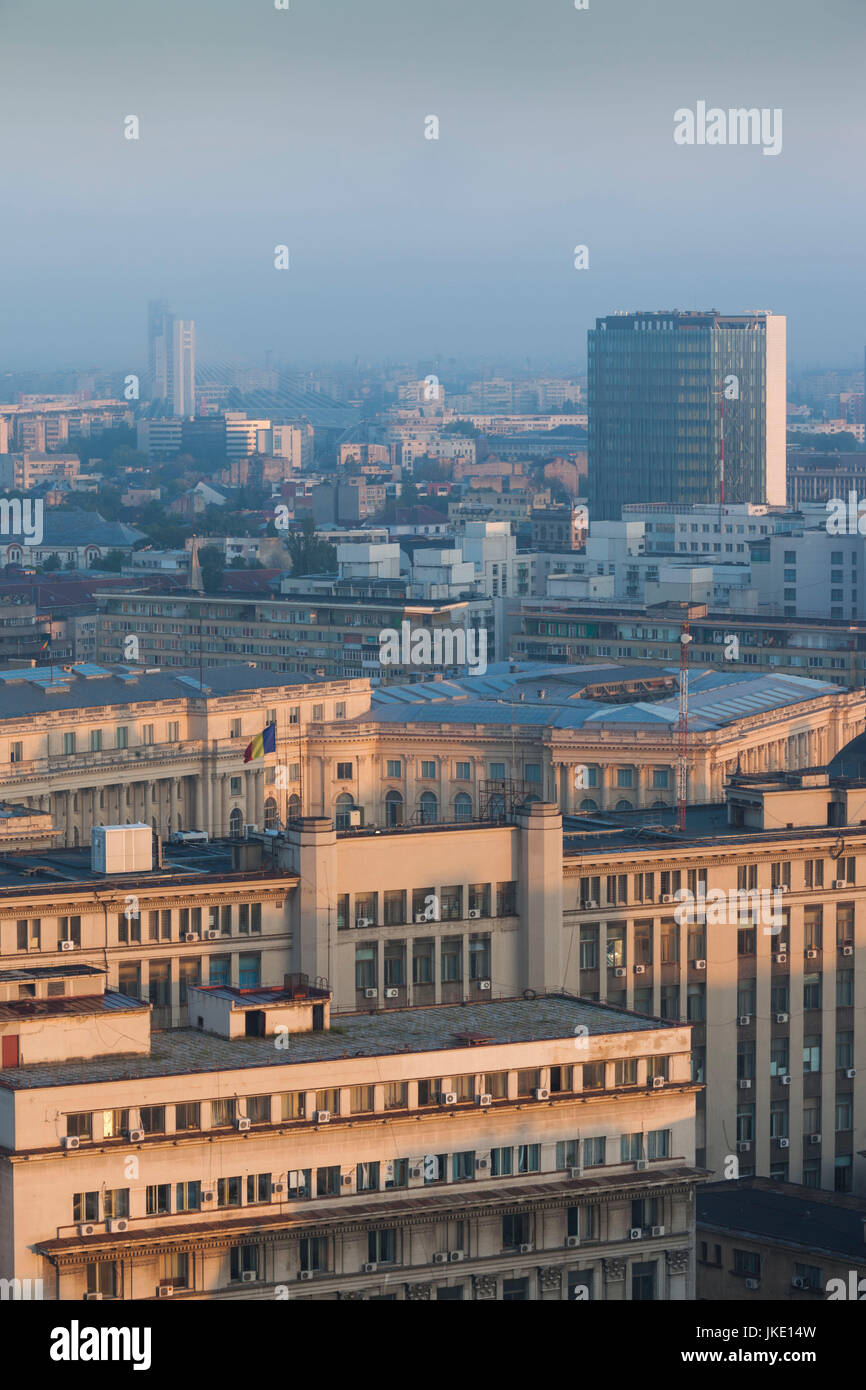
(541,1093)
(455,1256)
(354,818)
(370,1268)
(483,984)
(784,1143)
(744,1020)
(575,1172)
(135,1136)
(840,883)
(620,971)
(191,936)
(641,1165)
(797,1282)
(780,958)
(744,1146)
(590,904)
(165,1291)
(658,1231)
(850,1073)
(305,1274)
(640,970)
(242,1124)
(67,945)
(392,993)
(93,1298)
(745,1085)
(346,1179)
(248,1276)
(667,897)
(699,964)
(781,1018)
(635,1233)
(87,1230)
(361,923)
(211,934)
(482,1163)
(441,1257)
(118,1224)
(448,1098)
(811,953)
(753,1283)
(814,1138)
(572,1242)
(209,1194)
(321,1117)
(785,1079)
(526,1249)
(484,1099)
(277,1188)
(782,887)
(71,1141)
(847,950)
(423,917)
(658,1082)
(371,993)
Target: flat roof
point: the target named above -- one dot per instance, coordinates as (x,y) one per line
(812,1220)
(612,832)
(41,872)
(435,1028)
(20,1010)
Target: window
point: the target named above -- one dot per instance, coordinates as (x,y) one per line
(747,1263)
(589,948)
(593,1076)
(463,1165)
(397,1172)
(382,1246)
(228,1192)
(152,1119)
(462,772)
(249,971)
(85,1206)
(516,1230)
(344,772)
(187,1196)
(428,768)
(158,1199)
(479,957)
(394,767)
(115,1203)
(501,1163)
(497,772)
(528,1158)
(811,1054)
(222,1113)
(314,1254)
(396,1095)
(812,991)
(361,1100)
(244,1259)
(595,1152)
(258,1109)
(451,960)
(292,1105)
(258,1188)
(643,1282)
(102,1278)
(625,1072)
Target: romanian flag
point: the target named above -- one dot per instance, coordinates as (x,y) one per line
(265,742)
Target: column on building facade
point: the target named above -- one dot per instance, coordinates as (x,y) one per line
(259,816)
(172,805)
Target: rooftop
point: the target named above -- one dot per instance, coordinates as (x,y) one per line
(568,697)
(26,691)
(436,1028)
(46,871)
(819,1222)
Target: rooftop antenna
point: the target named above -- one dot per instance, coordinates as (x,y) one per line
(683,728)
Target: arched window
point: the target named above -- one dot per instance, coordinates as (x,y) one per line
(270,814)
(660,805)
(345,806)
(496,806)
(624,806)
(463,806)
(75,834)
(236,824)
(294,806)
(393,809)
(588,804)
(429,808)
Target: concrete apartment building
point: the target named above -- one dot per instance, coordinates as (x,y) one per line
(98,745)
(761,1241)
(261,1154)
(568,630)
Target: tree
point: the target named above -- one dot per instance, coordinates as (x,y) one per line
(213,565)
(309,554)
(51,563)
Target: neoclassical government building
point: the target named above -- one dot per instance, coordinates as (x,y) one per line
(91,745)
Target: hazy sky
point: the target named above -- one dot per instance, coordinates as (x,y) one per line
(306,127)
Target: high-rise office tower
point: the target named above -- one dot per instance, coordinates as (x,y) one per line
(686,407)
(171,359)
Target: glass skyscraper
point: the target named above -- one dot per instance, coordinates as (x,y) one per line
(666,389)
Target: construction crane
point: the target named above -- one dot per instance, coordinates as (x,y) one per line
(683,728)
